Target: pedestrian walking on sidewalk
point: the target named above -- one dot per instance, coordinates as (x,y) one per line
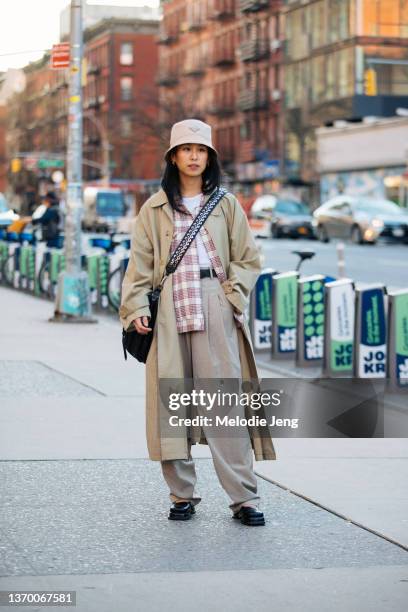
(201,331)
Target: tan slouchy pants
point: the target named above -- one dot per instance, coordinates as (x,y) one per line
(214,353)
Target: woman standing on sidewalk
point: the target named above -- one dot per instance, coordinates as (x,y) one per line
(201,331)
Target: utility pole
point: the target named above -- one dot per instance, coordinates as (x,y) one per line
(73,301)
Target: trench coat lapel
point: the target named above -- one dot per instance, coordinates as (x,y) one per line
(160,199)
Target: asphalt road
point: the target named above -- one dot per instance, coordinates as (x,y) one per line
(385,263)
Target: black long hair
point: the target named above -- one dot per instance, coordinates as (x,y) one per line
(211,177)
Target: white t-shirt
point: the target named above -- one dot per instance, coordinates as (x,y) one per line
(192,204)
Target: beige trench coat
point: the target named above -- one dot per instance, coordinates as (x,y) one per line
(150,249)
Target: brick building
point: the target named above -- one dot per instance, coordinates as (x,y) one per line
(344,60)
(220,61)
(120,96)
(119,86)
(35,123)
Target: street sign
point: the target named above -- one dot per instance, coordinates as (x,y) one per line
(60,56)
(50,163)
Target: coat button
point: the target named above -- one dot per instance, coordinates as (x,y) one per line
(167,233)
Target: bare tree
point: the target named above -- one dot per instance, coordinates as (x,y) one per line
(154,115)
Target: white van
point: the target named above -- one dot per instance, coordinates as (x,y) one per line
(103,207)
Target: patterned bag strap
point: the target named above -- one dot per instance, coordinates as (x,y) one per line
(191,233)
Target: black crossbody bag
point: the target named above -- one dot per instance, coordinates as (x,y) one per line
(138,345)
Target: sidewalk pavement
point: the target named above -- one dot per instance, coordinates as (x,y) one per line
(85,510)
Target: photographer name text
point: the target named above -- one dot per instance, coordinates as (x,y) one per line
(228,421)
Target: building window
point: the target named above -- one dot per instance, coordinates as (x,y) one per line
(345,74)
(126,54)
(330,76)
(319,29)
(319,79)
(385,17)
(392,79)
(245,130)
(338,20)
(126,162)
(126,87)
(125,125)
(299,32)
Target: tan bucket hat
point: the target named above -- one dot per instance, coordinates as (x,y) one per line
(191,130)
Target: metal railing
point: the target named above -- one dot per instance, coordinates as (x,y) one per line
(252,100)
(253,50)
(251,6)
(167,79)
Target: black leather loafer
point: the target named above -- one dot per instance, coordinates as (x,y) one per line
(181,511)
(250,516)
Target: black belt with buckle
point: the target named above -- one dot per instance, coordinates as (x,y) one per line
(206,272)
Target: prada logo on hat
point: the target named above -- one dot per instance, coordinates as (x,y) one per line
(194,128)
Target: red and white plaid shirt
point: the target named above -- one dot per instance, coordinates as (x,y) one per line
(186,279)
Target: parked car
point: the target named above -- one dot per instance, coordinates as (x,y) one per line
(361,220)
(260,215)
(281,217)
(7,214)
(291,219)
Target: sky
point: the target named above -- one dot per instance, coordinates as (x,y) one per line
(33,25)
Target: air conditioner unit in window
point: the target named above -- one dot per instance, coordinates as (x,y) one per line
(275,44)
(276,94)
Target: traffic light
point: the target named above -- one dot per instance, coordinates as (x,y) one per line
(370,82)
(15,165)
